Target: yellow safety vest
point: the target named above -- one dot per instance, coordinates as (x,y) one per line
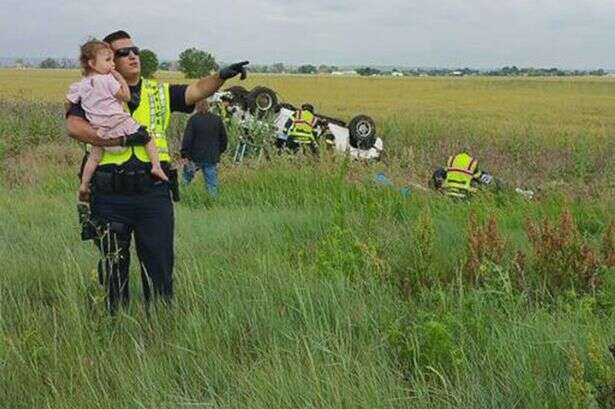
(302,128)
(154,113)
(461,170)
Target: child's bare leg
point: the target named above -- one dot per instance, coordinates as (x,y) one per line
(88,171)
(152,152)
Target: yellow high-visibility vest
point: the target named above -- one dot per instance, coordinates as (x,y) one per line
(461,170)
(154,113)
(302,128)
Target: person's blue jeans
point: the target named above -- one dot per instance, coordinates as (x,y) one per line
(210,175)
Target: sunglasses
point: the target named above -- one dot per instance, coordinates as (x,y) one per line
(125,52)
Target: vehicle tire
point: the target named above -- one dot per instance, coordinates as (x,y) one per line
(239,95)
(261,101)
(362,132)
(237,90)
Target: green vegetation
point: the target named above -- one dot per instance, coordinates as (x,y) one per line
(49,63)
(195,63)
(149,63)
(307,285)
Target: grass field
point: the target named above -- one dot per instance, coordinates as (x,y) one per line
(307,285)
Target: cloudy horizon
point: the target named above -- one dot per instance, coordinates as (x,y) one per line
(451,33)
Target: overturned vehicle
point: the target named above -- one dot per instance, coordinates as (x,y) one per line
(260,109)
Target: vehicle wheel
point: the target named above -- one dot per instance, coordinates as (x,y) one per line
(362,132)
(328,137)
(239,95)
(262,100)
(237,90)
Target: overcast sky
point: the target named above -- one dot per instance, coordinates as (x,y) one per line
(446,33)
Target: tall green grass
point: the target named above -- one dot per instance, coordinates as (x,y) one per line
(287,297)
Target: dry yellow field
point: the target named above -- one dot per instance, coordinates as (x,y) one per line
(567,103)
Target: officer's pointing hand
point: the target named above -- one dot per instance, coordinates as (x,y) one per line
(233,70)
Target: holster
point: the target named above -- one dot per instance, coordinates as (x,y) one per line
(90,225)
(174,183)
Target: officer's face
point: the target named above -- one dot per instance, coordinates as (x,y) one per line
(130,65)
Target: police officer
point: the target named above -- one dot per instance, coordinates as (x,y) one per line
(301,128)
(126,199)
(462,177)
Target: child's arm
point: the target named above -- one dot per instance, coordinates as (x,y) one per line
(124,93)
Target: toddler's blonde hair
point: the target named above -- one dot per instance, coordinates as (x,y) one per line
(89,51)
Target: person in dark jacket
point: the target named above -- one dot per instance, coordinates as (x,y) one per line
(204,141)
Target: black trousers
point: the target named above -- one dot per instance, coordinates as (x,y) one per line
(149,218)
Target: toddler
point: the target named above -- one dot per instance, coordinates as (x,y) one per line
(101,93)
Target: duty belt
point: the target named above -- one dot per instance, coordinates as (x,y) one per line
(123,182)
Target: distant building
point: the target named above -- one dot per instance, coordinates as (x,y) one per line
(397,74)
(457,73)
(351,72)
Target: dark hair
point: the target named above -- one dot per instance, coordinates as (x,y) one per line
(116,35)
(308,107)
(88,52)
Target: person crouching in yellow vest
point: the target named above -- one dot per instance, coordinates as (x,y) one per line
(301,129)
(461,177)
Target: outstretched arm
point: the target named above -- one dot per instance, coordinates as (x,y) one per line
(207,86)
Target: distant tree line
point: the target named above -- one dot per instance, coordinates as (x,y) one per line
(506,72)
(52,63)
(280,68)
(196,63)
(441,72)
(541,72)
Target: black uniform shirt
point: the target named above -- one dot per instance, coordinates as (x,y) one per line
(204,138)
(177,96)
